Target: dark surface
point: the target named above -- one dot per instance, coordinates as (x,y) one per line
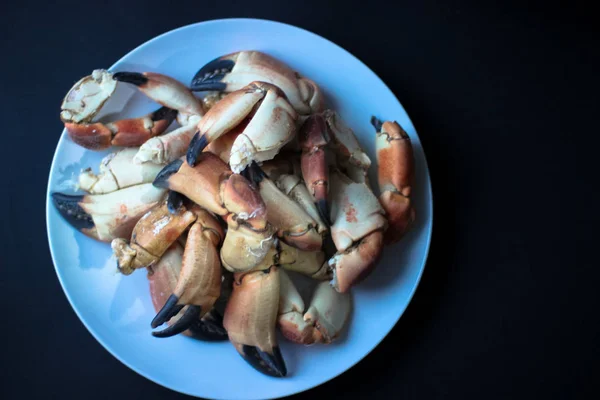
(505,101)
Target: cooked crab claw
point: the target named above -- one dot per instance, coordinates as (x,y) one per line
(294,225)
(250,320)
(313,137)
(117,171)
(233,71)
(321,323)
(199,283)
(126,132)
(271,124)
(395,175)
(153,234)
(105,217)
(164,90)
(357,231)
(213,186)
(163,277)
(168,147)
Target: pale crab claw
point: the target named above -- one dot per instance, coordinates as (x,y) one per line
(309,263)
(85,100)
(117,171)
(395,175)
(163,277)
(272,124)
(213,186)
(199,284)
(323,321)
(357,231)
(153,234)
(250,320)
(294,187)
(294,225)
(164,90)
(233,71)
(164,149)
(105,217)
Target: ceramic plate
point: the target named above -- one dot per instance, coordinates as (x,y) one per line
(117,309)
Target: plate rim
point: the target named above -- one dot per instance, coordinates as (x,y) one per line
(429,188)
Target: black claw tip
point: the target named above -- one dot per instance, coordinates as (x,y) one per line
(376,123)
(162,179)
(210,75)
(135,78)
(198,143)
(323,211)
(170,309)
(68,206)
(268,364)
(255,173)
(165,113)
(209,328)
(174,201)
(187,319)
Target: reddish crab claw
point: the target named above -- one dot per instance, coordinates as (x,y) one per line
(396,175)
(271,124)
(234,71)
(199,283)
(85,100)
(105,217)
(294,225)
(313,138)
(213,186)
(250,320)
(153,234)
(163,277)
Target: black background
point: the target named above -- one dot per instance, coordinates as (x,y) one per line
(505,100)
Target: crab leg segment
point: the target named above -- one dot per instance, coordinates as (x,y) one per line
(117,171)
(199,283)
(271,124)
(250,320)
(154,233)
(396,175)
(164,90)
(233,71)
(294,225)
(322,322)
(358,224)
(105,217)
(213,186)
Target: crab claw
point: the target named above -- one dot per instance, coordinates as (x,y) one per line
(250,320)
(294,225)
(199,283)
(163,277)
(396,175)
(233,71)
(323,321)
(213,186)
(309,263)
(164,90)
(357,231)
(117,171)
(153,234)
(105,217)
(272,124)
(314,138)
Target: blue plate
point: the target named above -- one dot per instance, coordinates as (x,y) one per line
(117,309)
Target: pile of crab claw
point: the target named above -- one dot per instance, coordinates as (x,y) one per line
(259,179)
